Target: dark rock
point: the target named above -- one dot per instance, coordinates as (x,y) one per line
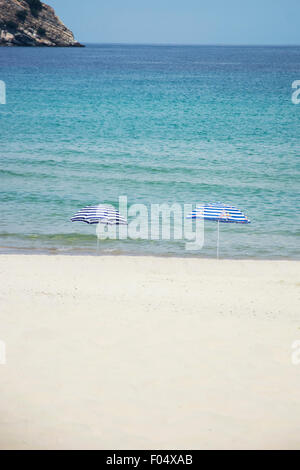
(32,23)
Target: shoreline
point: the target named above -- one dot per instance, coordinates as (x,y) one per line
(76,253)
(148,352)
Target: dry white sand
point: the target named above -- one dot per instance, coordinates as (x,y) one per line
(141,353)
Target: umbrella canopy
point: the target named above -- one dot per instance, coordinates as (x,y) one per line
(219,213)
(102,213)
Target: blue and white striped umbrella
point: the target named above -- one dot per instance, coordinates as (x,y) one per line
(102,213)
(219,213)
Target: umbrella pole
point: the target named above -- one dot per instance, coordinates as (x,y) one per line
(98,238)
(218,242)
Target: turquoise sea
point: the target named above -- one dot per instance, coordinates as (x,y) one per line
(185,124)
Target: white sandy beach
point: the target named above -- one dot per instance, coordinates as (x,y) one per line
(148,353)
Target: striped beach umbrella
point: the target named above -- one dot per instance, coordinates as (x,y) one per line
(220,213)
(102,213)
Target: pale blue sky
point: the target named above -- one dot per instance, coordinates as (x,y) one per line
(182,21)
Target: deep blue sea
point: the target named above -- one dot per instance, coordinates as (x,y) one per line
(174,124)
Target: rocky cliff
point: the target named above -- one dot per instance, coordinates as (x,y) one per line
(32,23)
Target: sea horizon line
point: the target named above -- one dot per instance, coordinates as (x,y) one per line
(184,44)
